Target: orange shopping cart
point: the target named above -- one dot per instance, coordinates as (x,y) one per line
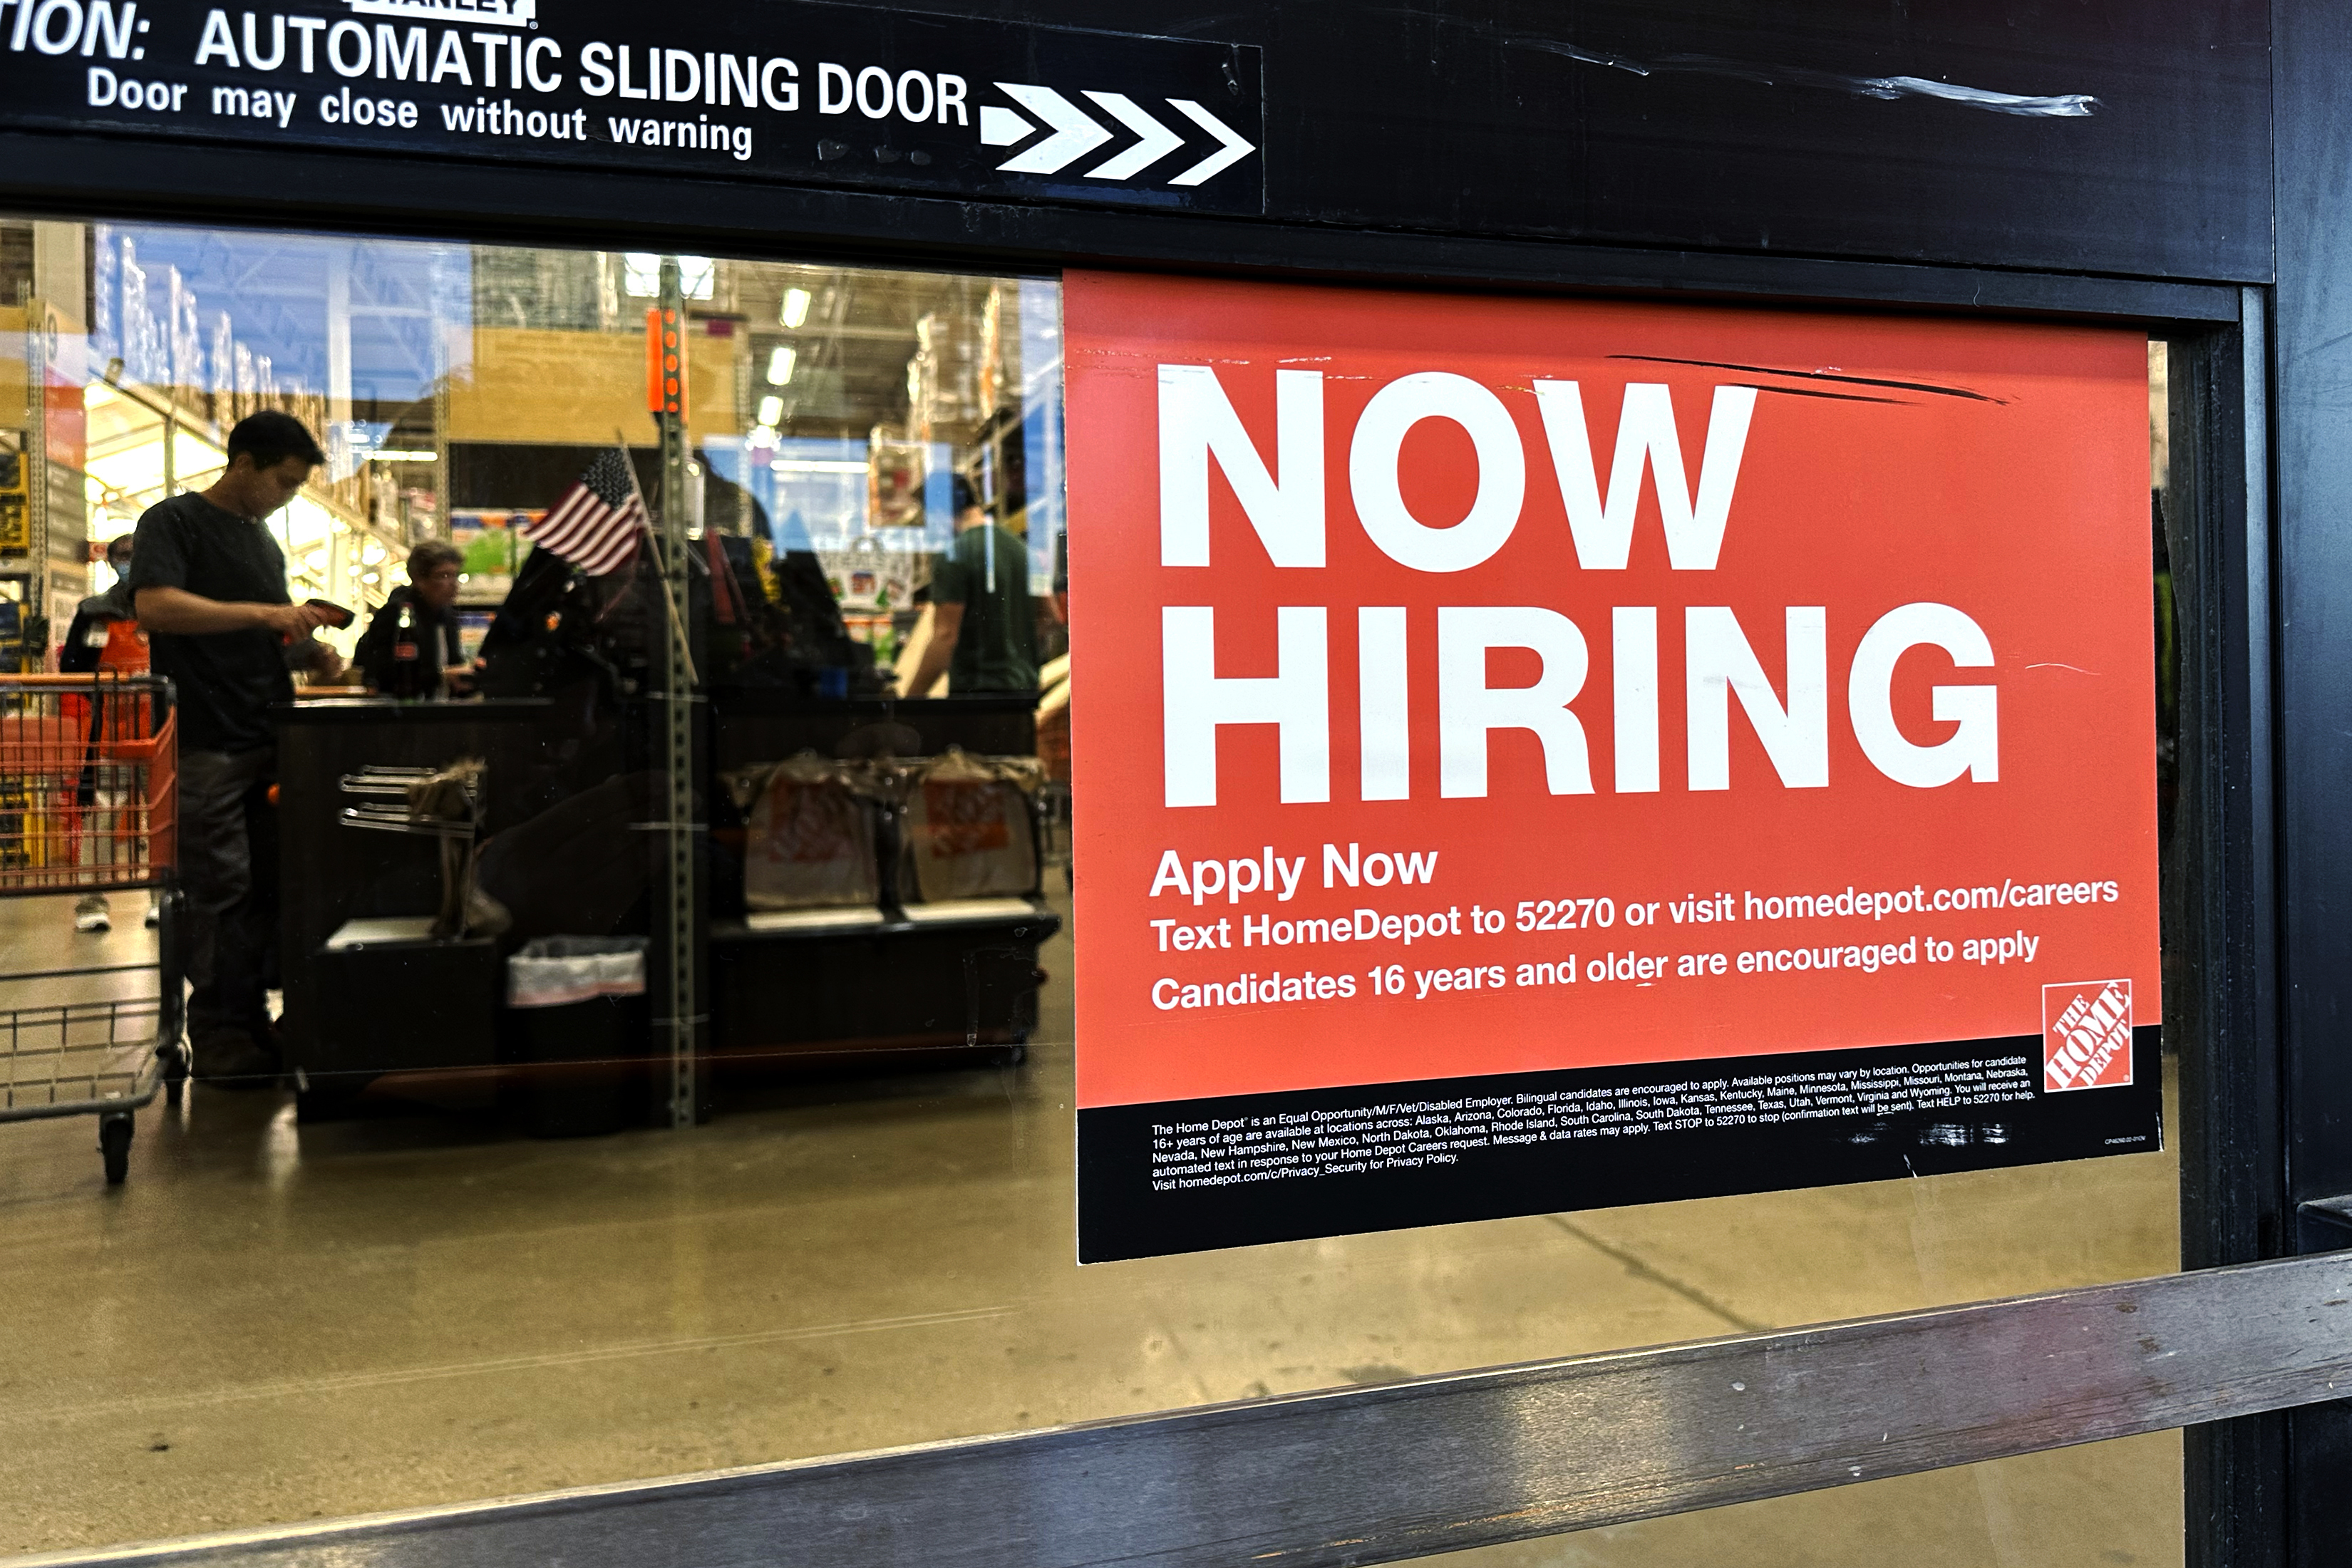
(89,803)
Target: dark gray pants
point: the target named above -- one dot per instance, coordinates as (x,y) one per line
(228,863)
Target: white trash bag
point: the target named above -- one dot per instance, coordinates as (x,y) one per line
(558,971)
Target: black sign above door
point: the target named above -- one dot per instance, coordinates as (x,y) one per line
(812,93)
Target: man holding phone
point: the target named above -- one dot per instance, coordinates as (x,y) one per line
(209,585)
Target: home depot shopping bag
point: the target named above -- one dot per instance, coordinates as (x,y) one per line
(811,839)
(969,832)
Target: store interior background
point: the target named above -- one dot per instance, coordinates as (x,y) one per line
(276,1319)
(457,386)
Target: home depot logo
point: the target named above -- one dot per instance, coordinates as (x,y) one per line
(2086,1035)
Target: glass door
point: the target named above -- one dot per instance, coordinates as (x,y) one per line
(462,1248)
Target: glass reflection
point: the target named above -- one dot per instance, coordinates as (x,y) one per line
(461,1249)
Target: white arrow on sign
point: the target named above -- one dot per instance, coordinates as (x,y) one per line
(1000,127)
(1156,142)
(1234,151)
(1073,135)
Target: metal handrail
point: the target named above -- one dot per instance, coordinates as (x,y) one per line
(1437,1463)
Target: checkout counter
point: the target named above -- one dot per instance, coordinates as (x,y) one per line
(906,973)
(368,991)
(376,1003)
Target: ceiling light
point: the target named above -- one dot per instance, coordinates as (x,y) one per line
(771,410)
(795,311)
(779,364)
(398,455)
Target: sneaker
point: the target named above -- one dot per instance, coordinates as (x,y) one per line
(154,913)
(92,914)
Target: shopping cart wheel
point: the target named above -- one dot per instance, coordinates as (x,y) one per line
(114,1144)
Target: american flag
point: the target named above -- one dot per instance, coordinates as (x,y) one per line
(596,523)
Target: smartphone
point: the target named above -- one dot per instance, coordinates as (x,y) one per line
(337,616)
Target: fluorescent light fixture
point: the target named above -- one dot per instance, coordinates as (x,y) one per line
(795,311)
(697,277)
(397,455)
(779,364)
(818,466)
(771,410)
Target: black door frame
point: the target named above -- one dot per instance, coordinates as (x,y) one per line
(2312,660)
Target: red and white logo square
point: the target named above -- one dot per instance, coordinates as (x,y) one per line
(2086,1035)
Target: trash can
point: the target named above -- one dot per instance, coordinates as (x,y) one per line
(577,1023)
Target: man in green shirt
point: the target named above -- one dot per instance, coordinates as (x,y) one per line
(984,626)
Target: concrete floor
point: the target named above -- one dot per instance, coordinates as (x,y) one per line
(272,1322)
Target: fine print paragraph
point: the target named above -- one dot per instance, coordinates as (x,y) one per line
(1392,1135)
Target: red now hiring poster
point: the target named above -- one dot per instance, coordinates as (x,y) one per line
(1547,755)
